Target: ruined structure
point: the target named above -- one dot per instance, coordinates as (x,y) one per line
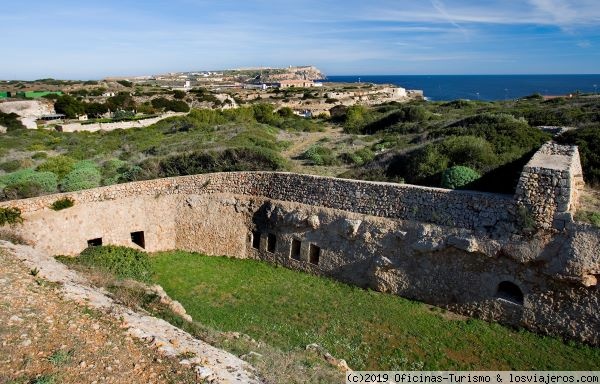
(518,259)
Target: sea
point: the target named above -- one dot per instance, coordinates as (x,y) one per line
(483,87)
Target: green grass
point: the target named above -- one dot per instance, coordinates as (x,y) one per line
(371,330)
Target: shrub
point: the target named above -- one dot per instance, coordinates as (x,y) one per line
(81,178)
(360,157)
(27,180)
(69,106)
(63,203)
(11,121)
(458,176)
(125,83)
(39,155)
(11,165)
(10,215)
(319,155)
(112,170)
(121,261)
(60,165)
(355,118)
(472,151)
(588,141)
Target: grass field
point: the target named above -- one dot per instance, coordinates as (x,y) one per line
(290,310)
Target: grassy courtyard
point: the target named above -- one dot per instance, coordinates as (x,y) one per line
(290,310)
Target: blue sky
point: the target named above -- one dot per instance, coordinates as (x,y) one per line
(85,40)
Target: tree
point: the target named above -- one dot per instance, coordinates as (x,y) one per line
(180,95)
(69,106)
(121,101)
(95,109)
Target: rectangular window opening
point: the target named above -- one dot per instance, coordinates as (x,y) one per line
(138,238)
(271,242)
(256,240)
(314,253)
(295,249)
(95,242)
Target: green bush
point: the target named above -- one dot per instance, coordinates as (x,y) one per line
(39,155)
(11,165)
(123,262)
(458,176)
(60,165)
(10,215)
(360,157)
(112,171)
(319,155)
(11,121)
(355,119)
(63,203)
(588,141)
(27,179)
(472,151)
(81,178)
(69,106)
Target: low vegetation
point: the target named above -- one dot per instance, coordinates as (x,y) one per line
(64,203)
(249,306)
(414,143)
(10,215)
(121,261)
(370,330)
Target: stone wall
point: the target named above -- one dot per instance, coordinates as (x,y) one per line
(462,250)
(548,189)
(94,127)
(464,209)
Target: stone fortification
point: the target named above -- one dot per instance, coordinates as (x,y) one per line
(471,252)
(464,209)
(549,185)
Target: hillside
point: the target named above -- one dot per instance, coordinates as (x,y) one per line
(412,142)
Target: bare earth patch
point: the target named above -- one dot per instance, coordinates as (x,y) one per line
(48,336)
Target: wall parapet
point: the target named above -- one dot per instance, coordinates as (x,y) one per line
(465,209)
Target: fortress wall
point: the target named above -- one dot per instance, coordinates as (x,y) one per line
(465,209)
(448,248)
(444,266)
(67,232)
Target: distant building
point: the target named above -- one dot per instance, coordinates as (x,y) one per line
(296,83)
(108,94)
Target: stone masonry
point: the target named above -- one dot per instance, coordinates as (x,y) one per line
(518,260)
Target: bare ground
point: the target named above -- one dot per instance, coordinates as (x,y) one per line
(55,328)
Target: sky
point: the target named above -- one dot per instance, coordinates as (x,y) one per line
(68,39)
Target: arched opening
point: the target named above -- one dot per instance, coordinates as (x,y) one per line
(510,292)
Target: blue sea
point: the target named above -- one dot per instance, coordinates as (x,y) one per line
(484,87)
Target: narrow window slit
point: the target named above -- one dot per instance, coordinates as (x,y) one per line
(271,242)
(256,240)
(295,249)
(314,254)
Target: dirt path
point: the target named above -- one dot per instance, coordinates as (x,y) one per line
(55,327)
(301,141)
